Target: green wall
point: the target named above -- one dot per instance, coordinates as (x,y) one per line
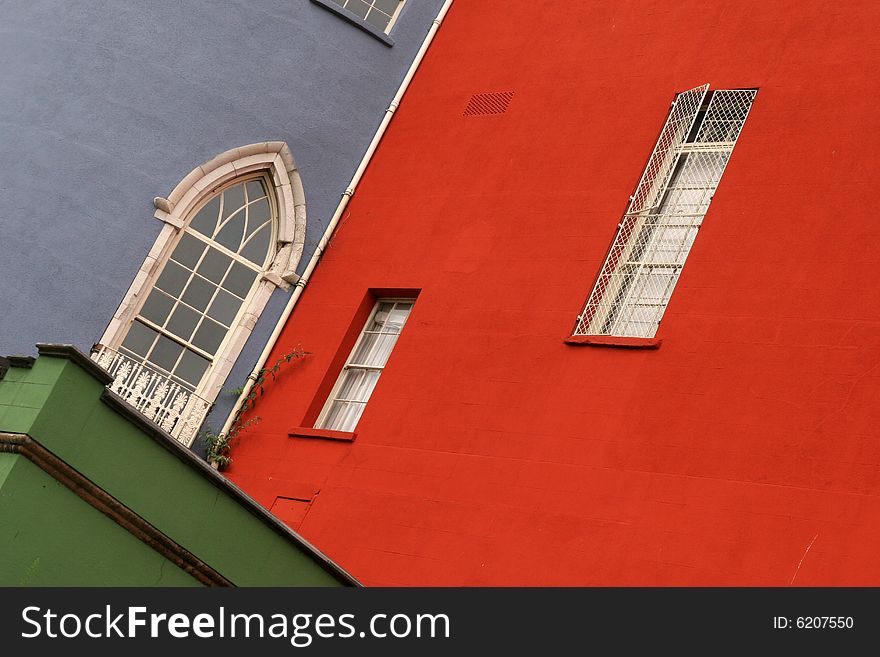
(58,403)
(50,537)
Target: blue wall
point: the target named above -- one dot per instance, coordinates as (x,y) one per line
(104,105)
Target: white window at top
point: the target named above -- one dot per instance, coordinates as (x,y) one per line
(364,366)
(201,289)
(665,213)
(381,14)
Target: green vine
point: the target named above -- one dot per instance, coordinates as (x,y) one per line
(219,445)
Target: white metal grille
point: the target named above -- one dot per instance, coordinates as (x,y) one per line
(661,223)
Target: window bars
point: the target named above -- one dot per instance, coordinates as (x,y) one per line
(665,212)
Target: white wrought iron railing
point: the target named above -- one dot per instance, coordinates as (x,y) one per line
(171,405)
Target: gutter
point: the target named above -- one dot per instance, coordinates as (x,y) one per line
(340,209)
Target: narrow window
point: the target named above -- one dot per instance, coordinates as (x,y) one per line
(364,366)
(659,227)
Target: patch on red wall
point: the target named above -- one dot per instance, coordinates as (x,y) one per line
(495,103)
(290,510)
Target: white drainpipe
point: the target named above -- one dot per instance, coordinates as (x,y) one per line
(343,202)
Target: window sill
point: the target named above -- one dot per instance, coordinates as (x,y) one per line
(326,434)
(613,341)
(355,20)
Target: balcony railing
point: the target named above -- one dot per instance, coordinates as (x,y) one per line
(169,404)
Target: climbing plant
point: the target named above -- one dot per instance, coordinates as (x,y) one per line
(219,445)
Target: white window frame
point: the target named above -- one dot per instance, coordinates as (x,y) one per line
(344,5)
(341,379)
(274,161)
(622,284)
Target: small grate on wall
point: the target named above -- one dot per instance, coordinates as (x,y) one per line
(495,103)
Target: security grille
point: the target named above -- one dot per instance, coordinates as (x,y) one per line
(495,103)
(668,207)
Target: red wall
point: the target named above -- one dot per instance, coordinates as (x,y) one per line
(744,451)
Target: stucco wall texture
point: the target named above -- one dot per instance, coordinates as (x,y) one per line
(105,105)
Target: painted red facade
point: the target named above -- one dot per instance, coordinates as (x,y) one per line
(743,451)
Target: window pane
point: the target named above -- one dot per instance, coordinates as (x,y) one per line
(671,244)
(173,279)
(183,322)
(388,6)
(344,416)
(358,8)
(378,19)
(334,416)
(198,293)
(214,266)
(397,317)
(191,367)
(189,250)
(139,339)
(380,316)
(258,246)
(233,200)
(232,233)
(348,419)
(205,221)
(165,353)
(258,214)
(157,307)
(240,279)
(366,345)
(255,190)
(225,307)
(650,286)
(358,384)
(374,350)
(209,336)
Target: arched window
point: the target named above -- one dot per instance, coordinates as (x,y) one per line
(234,232)
(198,295)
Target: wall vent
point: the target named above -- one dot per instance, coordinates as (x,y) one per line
(488,103)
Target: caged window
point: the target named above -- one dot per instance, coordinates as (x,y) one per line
(364,366)
(670,202)
(381,14)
